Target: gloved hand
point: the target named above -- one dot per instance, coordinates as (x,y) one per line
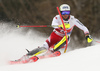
(67,25)
(89,38)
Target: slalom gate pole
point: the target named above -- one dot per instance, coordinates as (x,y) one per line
(64,30)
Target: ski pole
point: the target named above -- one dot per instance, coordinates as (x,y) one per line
(18,26)
(64,29)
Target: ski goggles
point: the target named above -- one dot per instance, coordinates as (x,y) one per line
(65,12)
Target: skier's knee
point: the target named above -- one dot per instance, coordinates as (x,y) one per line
(45,45)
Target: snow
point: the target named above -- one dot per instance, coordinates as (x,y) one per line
(13,44)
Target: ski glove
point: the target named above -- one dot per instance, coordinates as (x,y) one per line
(67,25)
(89,38)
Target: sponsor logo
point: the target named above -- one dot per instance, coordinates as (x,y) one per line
(65,7)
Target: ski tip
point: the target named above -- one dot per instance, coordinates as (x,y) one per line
(12,62)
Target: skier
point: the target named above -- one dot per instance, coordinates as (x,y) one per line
(57,37)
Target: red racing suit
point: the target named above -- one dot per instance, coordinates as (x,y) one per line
(58,33)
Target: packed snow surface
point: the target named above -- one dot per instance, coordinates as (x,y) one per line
(13,43)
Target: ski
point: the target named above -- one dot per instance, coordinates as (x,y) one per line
(55,54)
(19,61)
(34,58)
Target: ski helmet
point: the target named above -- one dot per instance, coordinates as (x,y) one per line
(64,7)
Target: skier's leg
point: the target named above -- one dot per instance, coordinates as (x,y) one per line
(49,42)
(60,43)
(33,54)
(36,51)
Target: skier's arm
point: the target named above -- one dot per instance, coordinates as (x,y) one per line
(81,26)
(55,22)
(85,30)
